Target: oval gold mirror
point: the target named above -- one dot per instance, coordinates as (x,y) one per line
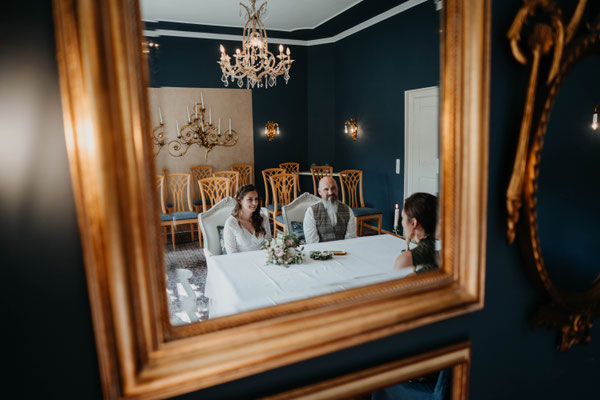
(564,53)
(108,129)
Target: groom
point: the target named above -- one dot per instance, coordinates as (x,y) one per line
(329,219)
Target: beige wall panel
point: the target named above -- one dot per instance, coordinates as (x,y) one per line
(225,103)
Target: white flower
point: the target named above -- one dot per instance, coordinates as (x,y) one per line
(278,252)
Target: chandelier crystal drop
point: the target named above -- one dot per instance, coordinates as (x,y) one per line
(254,62)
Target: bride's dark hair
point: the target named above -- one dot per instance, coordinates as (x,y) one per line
(257,218)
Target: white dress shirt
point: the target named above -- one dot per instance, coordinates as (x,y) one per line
(238,239)
(310,225)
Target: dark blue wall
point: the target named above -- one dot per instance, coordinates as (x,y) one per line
(47,321)
(192,62)
(569,184)
(373,69)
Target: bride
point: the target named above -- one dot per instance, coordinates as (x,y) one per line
(247,227)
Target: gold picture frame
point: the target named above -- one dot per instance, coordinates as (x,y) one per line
(457,357)
(558,45)
(141,355)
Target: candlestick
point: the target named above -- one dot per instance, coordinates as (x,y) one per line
(188,113)
(160,116)
(396,215)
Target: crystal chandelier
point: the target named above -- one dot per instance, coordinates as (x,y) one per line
(255,62)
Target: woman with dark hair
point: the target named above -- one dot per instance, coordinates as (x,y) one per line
(247,227)
(419,221)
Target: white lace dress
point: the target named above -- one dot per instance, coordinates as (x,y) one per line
(238,239)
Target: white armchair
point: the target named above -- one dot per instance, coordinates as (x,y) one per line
(294,212)
(209,220)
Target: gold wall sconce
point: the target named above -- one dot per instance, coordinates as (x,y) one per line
(271,129)
(595,117)
(351,127)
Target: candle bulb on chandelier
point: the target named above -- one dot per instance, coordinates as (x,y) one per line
(281,48)
(196,110)
(202,97)
(219,129)
(595,118)
(188,114)
(178,131)
(288,51)
(160,116)
(230,125)
(210,116)
(278,129)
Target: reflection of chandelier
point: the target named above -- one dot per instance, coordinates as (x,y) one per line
(255,62)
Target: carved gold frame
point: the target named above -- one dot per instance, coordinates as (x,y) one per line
(457,357)
(105,108)
(566,44)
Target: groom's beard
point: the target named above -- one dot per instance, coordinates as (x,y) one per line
(331,207)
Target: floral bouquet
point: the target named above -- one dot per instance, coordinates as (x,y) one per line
(283,250)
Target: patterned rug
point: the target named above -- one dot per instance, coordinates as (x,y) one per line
(186,279)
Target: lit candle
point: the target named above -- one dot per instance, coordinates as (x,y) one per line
(396,215)
(219,130)
(210,116)
(229,125)
(160,116)
(202,99)
(188,112)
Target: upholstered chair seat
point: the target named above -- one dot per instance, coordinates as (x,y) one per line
(181,215)
(165,217)
(363,211)
(271,207)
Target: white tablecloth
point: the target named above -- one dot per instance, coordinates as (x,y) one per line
(242,281)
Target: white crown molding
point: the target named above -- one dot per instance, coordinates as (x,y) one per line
(348,32)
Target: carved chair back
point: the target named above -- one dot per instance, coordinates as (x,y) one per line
(246,173)
(267,173)
(351,180)
(319,172)
(283,188)
(160,191)
(234,180)
(199,172)
(291,168)
(213,190)
(179,190)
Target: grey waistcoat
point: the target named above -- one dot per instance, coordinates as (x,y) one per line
(327,232)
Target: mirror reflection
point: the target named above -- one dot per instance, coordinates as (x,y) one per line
(294,161)
(568,184)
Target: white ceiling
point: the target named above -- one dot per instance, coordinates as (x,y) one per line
(284,15)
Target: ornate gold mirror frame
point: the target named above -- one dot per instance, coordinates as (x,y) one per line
(105,108)
(356,385)
(563,46)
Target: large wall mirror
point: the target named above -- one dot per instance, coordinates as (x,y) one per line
(136,90)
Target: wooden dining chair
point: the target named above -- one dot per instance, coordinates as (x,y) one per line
(246,173)
(319,172)
(234,180)
(267,173)
(284,190)
(292,168)
(213,190)
(352,184)
(179,189)
(199,172)
(166,220)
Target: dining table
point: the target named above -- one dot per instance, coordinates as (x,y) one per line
(245,281)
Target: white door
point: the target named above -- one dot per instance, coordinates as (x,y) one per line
(421,141)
